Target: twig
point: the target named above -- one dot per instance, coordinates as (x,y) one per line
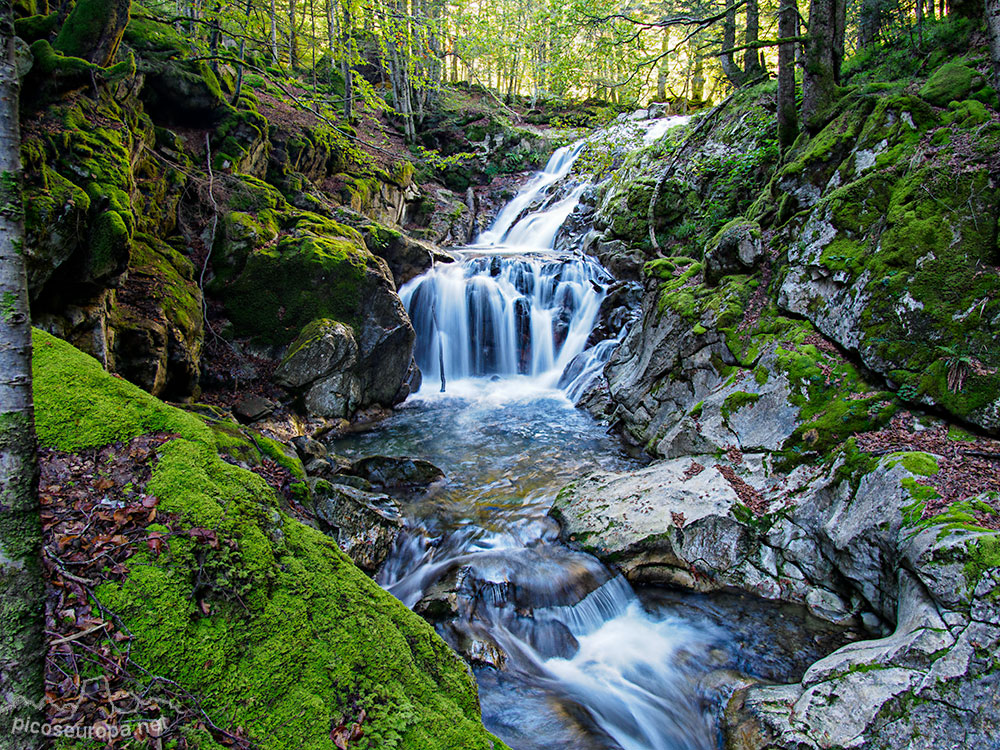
(75,636)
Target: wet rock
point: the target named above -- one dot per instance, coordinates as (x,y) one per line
(309,449)
(253,409)
(322,348)
(388,472)
(338,395)
(839,550)
(364,524)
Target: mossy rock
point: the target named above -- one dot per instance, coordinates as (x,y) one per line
(157,323)
(300,278)
(951,82)
(294,638)
(178,90)
(93,30)
(55,219)
(33,28)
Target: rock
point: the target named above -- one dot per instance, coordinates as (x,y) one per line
(951,82)
(337,395)
(838,549)
(737,248)
(322,348)
(385,344)
(253,409)
(309,449)
(364,524)
(388,472)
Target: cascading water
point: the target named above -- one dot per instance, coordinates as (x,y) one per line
(565,654)
(511,307)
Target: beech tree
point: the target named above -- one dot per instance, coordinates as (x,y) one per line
(22,645)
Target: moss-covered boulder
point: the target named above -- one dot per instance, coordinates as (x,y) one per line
(93,30)
(178,90)
(156,323)
(951,82)
(272,629)
(737,248)
(888,261)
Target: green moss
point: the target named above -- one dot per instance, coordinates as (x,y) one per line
(984,554)
(85,27)
(915,462)
(78,405)
(736,401)
(175,291)
(299,279)
(36,27)
(296,638)
(110,245)
(951,82)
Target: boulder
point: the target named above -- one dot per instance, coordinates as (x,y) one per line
(322,348)
(737,248)
(388,472)
(850,551)
(253,409)
(364,524)
(337,395)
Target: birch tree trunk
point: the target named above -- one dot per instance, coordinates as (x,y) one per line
(22,644)
(274,34)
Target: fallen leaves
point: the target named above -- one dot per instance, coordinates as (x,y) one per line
(95,516)
(749,496)
(966,468)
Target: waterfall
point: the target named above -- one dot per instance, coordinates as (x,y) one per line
(504,316)
(513,306)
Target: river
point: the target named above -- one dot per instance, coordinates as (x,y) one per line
(566,653)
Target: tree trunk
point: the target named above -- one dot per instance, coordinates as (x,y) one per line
(729,67)
(22,643)
(788,122)
(274,34)
(752,67)
(664,70)
(243,50)
(215,37)
(698,79)
(819,80)
(869,23)
(293,37)
(993,28)
(346,64)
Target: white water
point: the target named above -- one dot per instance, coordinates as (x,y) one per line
(496,334)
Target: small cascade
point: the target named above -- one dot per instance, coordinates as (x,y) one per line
(539,186)
(503,316)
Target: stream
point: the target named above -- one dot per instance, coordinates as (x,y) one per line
(566,653)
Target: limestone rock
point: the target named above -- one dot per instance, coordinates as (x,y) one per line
(737,248)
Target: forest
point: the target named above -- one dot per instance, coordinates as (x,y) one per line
(418,374)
